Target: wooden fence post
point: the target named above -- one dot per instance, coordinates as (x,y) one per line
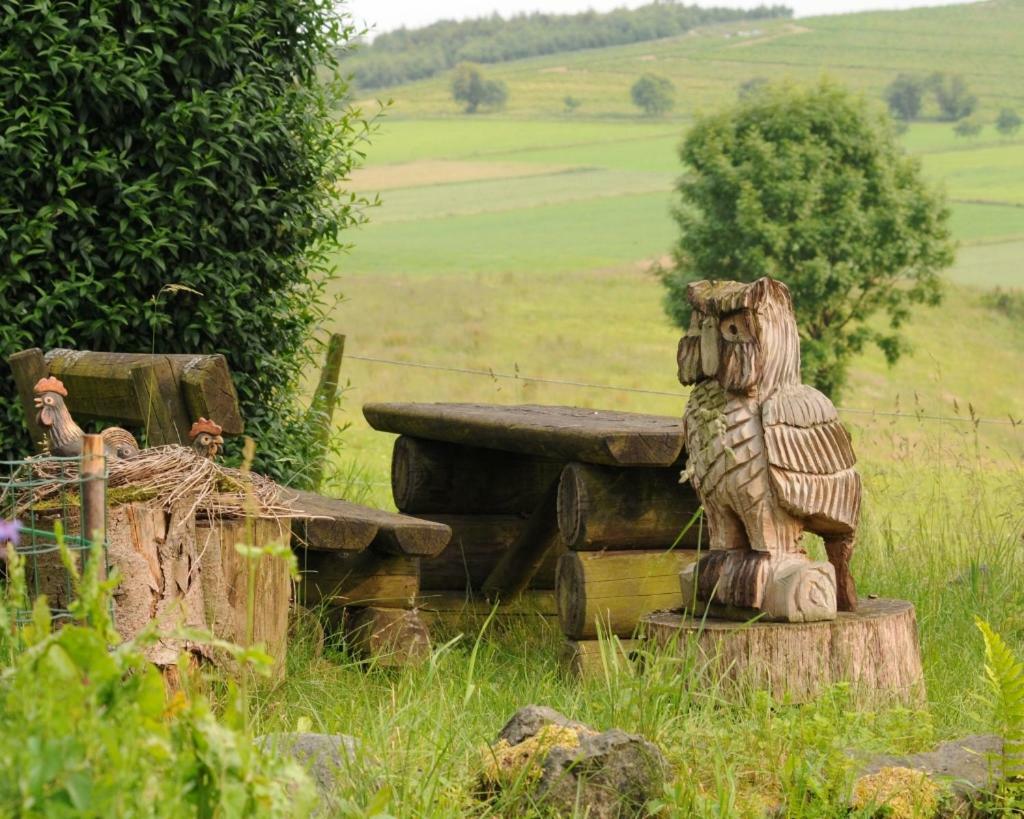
(94,495)
(325,399)
(28,367)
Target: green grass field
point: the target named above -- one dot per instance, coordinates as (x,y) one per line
(520,244)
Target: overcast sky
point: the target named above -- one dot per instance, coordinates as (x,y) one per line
(387,14)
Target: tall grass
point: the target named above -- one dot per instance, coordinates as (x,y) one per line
(942,527)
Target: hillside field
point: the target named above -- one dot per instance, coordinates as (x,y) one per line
(518,246)
(521,242)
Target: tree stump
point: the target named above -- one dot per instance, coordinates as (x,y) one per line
(180,573)
(226,575)
(156,555)
(875,649)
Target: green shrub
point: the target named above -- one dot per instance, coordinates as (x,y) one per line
(88,731)
(1004,675)
(1008,122)
(174,143)
(1009,302)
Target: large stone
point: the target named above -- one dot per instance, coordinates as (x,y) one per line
(570,767)
(967,769)
(334,761)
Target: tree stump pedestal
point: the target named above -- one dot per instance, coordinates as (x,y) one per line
(874,649)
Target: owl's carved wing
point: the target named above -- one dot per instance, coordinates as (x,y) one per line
(810,460)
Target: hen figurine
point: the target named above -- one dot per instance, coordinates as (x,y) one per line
(63,436)
(768,457)
(206,438)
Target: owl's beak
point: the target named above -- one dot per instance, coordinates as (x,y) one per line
(709,346)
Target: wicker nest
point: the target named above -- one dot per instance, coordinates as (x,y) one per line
(170,475)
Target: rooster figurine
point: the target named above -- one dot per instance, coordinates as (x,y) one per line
(64,436)
(206,438)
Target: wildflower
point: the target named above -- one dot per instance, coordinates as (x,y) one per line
(10,530)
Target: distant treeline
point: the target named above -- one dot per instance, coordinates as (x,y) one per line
(405,55)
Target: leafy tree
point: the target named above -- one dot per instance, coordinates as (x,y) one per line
(809,187)
(471,88)
(655,95)
(953,96)
(169,181)
(571,103)
(967,128)
(905,95)
(1008,122)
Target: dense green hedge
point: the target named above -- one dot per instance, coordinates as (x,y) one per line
(149,145)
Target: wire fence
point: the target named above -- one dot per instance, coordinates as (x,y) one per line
(36,539)
(971,418)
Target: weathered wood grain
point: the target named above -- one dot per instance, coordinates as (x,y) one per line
(875,649)
(558,433)
(463,611)
(333,525)
(538,541)
(101,386)
(594,658)
(602,507)
(226,575)
(325,398)
(478,542)
(208,390)
(358,579)
(438,477)
(337,525)
(28,366)
(613,591)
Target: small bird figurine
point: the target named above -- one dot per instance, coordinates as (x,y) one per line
(206,438)
(64,436)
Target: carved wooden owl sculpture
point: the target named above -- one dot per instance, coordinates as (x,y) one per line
(767,456)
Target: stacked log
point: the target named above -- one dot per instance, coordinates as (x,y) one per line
(553,511)
(360,568)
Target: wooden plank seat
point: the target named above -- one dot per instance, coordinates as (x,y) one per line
(338,525)
(561,433)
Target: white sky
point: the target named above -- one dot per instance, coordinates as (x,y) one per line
(383,15)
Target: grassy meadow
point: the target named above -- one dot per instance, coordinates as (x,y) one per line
(519,245)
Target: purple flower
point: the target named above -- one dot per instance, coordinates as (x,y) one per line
(10,530)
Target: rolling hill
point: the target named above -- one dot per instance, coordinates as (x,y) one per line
(521,241)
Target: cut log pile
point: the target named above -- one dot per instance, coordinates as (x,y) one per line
(558,511)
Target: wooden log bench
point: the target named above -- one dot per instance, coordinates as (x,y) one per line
(352,555)
(585,505)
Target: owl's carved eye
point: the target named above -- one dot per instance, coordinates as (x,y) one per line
(736,328)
